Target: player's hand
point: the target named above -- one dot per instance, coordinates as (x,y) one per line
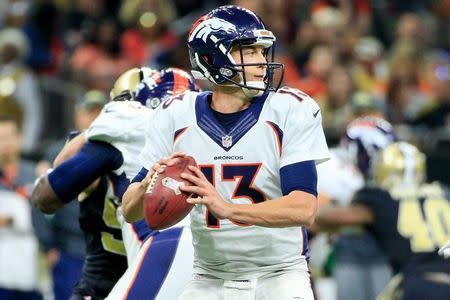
(206,194)
(161,165)
(53,256)
(445,250)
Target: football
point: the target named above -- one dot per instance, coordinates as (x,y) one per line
(164,203)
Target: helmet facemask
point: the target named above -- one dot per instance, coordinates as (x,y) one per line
(253,88)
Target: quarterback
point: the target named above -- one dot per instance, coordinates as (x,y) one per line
(256,147)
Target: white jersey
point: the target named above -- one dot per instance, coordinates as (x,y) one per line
(18,245)
(340,188)
(122,124)
(244,164)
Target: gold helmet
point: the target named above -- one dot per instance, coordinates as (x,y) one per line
(125,86)
(399,164)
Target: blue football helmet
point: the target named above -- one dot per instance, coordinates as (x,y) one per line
(364,138)
(215,34)
(160,86)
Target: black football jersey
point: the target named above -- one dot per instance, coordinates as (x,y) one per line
(105,260)
(410,225)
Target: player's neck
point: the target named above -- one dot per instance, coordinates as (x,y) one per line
(229,100)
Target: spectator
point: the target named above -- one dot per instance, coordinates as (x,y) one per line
(18,82)
(78,19)
(46,48)
(99,60)
(18,244)
(148,38)
(319,66)
(408,91)
(336,109)
(369,69)
(438,114)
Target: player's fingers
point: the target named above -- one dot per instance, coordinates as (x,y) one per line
(177,154)
(193,189)
(198,172)
(195,180)
(171,160)
(159,167)
(195,200)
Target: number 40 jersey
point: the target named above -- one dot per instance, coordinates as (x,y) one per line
(410,223)
(243,162)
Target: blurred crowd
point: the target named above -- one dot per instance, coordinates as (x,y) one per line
(59,59)
(347,54)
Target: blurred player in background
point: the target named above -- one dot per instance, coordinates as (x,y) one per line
(256,149)
(409,218)
(65,234)
(360,269)
(109,147)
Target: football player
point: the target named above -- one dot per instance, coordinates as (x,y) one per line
(256,148)
(361,270)
(109,147)
(409,218)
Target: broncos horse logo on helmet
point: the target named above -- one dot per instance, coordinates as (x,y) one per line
(210,26)
(216,34)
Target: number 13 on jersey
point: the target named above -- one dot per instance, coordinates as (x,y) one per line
(244,176)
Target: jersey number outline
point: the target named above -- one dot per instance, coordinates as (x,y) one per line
(245,174)
(296,93)
(428,226)
(109,242)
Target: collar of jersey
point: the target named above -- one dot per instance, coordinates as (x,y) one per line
(209,124)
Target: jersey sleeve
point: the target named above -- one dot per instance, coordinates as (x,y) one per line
(115,121)
(158,138)
(304,138)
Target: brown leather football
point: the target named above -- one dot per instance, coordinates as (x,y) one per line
(164,203)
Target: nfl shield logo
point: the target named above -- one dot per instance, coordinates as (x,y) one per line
(227,141)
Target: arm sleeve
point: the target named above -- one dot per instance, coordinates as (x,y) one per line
(74,175)
(304,138)
(140,176)
(300,176)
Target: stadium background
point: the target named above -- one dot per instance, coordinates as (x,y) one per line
(350,55)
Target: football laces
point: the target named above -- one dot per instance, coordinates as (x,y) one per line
(151,185)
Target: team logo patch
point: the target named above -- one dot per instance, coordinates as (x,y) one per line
(227,141)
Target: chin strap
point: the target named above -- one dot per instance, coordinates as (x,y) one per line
(249,92)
